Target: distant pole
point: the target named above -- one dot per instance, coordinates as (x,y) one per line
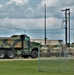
(45,23)
(66,26)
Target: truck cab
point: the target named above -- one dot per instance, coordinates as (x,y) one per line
(29,48)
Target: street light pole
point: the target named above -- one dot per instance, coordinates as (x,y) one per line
(45,23)
(66,25)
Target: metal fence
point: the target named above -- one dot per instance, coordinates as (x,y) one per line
(56,59)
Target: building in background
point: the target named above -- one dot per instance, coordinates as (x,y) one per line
(48,42)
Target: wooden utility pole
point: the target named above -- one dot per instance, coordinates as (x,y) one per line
(66,24)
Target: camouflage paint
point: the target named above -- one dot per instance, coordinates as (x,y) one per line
(10,42)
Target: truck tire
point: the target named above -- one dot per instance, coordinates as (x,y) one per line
(34,54)
(2,54)
(10,54)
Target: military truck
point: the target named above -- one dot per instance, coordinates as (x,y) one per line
(18,45)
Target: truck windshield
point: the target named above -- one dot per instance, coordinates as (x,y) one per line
(27,39)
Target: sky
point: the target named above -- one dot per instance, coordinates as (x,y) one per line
(27,17)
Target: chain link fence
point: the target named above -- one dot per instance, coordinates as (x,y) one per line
(56,59)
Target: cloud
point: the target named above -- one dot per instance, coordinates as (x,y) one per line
(19,14)
(54,22)
(37,23)
(32,27)
(1,5)
(72,13)
(15,11)
(57,3)
(67,2)
(18,2)
(50,3)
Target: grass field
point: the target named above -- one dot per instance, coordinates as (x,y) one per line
(22,67)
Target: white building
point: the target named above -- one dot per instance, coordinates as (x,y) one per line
(48,42)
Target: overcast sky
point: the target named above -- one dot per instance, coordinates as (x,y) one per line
(29,15)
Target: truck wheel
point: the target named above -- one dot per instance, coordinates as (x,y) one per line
(2,54)
(10,54)
(34,54)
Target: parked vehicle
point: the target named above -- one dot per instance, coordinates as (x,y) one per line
(18,45)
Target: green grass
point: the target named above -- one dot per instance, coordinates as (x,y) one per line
(21,67)
(57,66)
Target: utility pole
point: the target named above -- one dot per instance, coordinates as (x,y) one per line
(45,23)
(66,24)
(69,27)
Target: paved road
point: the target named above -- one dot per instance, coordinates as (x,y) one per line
(45,58)
(17,59)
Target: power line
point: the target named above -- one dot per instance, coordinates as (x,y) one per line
(11,27)
(35,29)
(31,29)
